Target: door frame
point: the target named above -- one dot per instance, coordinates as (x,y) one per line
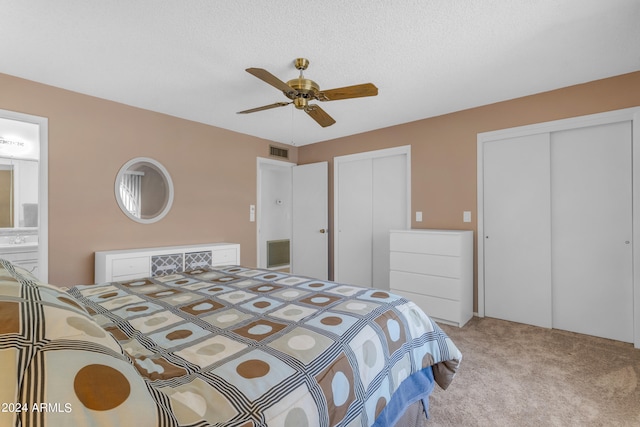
(43,187)
(627,114)
(385,152)
(260,162)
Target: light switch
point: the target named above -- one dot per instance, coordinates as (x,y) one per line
(252,213)
(418,216)
(466,216)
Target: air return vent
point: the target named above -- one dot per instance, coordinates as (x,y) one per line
(277,253)
(278,152)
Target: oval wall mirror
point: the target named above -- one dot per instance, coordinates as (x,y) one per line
(144,190)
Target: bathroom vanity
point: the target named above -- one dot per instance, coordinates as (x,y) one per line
(21,248)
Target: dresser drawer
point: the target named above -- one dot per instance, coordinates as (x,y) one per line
(437,308)
(224,257)
(426,243)
(162,265)
(17,257)
(133,276)
(435,265)
(194,260)
(138,267)
(437,286)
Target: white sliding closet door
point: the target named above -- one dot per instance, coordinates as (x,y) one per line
(355,222)
(389,206)
(591,219)
(372,197)
(517,241)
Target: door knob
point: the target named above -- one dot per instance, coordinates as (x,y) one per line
(322,230)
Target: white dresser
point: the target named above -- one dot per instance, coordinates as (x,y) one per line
(434,269)
(127,264)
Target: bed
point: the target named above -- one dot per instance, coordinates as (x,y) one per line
(227,346)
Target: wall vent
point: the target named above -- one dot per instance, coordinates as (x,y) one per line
(278,152)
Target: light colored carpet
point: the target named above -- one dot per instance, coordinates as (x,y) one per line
(520,375)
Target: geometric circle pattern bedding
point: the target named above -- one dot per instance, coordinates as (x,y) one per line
(231,346)
(59,367)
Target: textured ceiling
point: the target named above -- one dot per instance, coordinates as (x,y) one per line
(427,57)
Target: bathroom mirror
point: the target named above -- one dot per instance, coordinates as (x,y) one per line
(144,190)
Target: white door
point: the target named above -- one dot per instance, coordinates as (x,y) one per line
(372,197)
(591,228)
(310,237)
(354,223)
(389,207)
(517,241)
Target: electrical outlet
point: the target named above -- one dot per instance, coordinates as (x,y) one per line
(466,216)
(418,216)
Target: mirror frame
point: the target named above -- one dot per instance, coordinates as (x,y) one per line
(165,175)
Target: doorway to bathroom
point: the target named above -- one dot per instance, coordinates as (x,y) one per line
(24,191)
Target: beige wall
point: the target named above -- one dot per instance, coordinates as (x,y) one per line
(213,171)
(443,149)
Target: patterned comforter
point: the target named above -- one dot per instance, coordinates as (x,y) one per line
(231,347)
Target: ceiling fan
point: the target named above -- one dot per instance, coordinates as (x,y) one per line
(302,90)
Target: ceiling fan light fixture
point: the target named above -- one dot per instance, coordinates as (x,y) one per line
(300,103)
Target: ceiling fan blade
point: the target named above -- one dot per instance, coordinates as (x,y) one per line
(267,77)
(264,107)
(357,91)
(319,115)
(347,92)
